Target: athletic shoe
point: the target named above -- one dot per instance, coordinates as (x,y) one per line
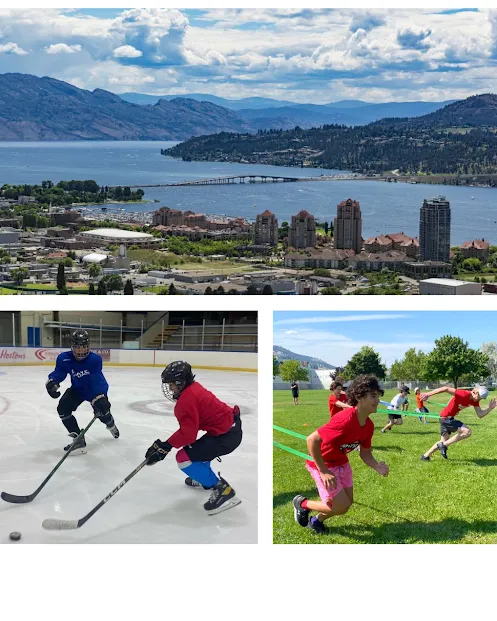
(420,419)
(423,458)
(443,449)
(382,431)
(300,514)
(79,447)
(317,526)
(114,431)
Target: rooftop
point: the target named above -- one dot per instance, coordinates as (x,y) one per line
(450,282)
(116,234)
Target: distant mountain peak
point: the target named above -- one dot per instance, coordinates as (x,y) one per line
(285,354)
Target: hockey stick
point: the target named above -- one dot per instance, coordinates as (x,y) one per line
(53,524)
(23,499)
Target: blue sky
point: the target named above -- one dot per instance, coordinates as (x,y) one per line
(336,336)
(302,55)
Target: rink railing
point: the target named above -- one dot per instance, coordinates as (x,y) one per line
(226,361)
(161,335)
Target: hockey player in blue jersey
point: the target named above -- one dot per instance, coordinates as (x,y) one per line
(87,384)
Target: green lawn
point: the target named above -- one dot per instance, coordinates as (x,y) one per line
(470,276)
(442,501)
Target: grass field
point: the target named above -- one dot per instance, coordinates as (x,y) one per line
(442,501)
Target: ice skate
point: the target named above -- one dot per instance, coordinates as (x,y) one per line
(222,498)
(80,447)
(114,430)
(194,484)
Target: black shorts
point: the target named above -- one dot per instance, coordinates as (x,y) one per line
(423,410)
(392,417)
(209,447)
(450,425)
(295,394)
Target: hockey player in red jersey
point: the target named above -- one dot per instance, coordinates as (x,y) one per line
(197,409)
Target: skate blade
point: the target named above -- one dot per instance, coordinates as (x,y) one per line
(229,504)
(78,451)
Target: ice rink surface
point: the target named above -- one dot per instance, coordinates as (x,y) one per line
(155,506)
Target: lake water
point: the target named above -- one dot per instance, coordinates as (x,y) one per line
(386,207)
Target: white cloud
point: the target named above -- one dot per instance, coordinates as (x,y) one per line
(302,55)
(127,51)
(291,332)
(339,319)
(63,48)
(12,48)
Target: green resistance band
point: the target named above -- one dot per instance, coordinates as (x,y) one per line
(293,451)
(416,414)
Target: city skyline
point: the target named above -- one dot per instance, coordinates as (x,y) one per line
(299,55)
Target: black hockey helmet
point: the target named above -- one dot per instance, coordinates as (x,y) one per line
(80,344)
(179,372)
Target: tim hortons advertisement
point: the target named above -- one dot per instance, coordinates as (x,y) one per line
(12,355)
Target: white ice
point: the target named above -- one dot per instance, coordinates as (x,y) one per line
(155,506)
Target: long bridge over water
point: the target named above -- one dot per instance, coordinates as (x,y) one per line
(239,179)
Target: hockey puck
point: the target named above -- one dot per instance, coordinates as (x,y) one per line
(15,536)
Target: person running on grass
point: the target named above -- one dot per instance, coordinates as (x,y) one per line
(329,445)
(397,403)
(448,424)
(338,399)
(295,393)
(420,405)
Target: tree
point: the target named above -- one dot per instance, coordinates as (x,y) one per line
(101,289)
(276,367)
(128,288)
(94,270)
(321,271)
(326,228)
(410,367)
(113,282)
(208,291)
(91,289)
(252,290)
(490,350)
(364,362)
(220,290)
(172,290)
(292,371)
(452,358)
(232,292)
(330,291)
(61,277)
(267,290)
(19,274)
(472,265)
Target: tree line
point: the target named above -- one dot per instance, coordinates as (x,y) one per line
(452,360)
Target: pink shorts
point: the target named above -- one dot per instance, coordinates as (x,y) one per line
(343,475)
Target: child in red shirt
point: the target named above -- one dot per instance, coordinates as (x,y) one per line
(448,424)
(337,401)
(329,446)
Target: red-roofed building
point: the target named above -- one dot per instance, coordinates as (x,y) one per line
(477,249)
(381,243)
(302,231)
(265,229)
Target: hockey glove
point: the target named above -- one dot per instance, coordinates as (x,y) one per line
(100,405)
(157,452)
(52,389)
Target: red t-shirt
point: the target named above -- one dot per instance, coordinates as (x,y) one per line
(341,435)
(334,409)
(462,399)
(197,409)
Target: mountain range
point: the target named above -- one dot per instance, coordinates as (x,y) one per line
(33,108)
(283,354)
(266,113)
(459,139)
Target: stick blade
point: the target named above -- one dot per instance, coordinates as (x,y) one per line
(18,500)
(52,524)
